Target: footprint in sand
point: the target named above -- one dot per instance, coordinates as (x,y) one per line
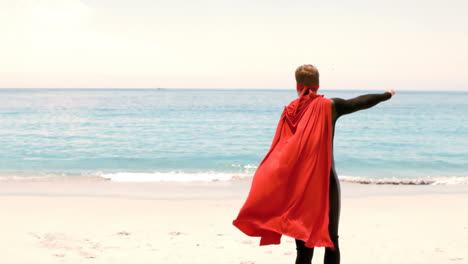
(55,241)
(246,241)
(87,255)
(123,233)
(176,233)
(149,246)
(35,235)
(63,243)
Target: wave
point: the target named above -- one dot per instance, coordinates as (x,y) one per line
(406,181)
(210,176)
(247,167)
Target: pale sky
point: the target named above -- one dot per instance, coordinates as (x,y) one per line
(360,44)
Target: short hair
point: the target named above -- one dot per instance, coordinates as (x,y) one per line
(307,74)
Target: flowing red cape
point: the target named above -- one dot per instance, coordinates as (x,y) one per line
(290,189)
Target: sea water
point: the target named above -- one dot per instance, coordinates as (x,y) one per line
(206,135)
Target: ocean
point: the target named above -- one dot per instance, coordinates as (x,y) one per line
(221,135)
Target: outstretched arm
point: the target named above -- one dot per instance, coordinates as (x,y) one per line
(343,107)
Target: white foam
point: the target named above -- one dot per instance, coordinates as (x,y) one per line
(451,180)
(177,176)
(247,167)
(173,176)
(406,181)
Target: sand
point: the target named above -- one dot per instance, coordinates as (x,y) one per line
(88,221)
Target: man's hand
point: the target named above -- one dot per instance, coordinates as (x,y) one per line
(390,91)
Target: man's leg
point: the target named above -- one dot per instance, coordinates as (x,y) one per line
(304,254)
(333,256)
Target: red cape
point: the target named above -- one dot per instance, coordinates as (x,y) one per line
(290,189)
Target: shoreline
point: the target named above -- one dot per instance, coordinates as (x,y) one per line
(205,177)
(226,190)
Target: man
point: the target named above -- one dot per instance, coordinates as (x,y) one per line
(295,190)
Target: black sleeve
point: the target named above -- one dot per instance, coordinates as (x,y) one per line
(343,107)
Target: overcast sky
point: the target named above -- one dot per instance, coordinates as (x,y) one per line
(360,44)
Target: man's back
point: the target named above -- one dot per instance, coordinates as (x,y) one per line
(289,192)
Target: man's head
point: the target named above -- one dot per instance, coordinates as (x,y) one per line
(307,75)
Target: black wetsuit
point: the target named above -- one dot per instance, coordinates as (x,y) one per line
(339,107)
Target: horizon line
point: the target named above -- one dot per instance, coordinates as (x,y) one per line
(267,89)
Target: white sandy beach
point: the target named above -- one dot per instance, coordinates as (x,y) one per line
(106,222)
